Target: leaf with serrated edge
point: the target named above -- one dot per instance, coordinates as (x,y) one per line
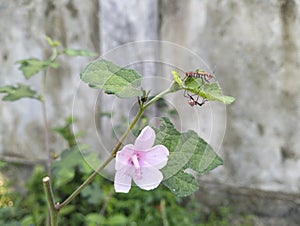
(209,91)
(17,92)
(112,79)
(32,66)
(187,151)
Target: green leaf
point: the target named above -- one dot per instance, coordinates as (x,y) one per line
(79,52)
(177,78)
(52,43)
(92,219)
(66,131)
(112,79)
(64,169)
(17,92)
(92,194)
(209,91)
(32,66)
(117,219)
(187,151)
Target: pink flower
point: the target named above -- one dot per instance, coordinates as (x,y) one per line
(140,162)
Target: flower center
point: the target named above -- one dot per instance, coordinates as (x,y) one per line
(137,166)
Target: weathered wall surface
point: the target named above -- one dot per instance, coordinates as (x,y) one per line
(254,45)
(23,24)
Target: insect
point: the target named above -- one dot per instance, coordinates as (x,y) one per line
(205,76)
(192,101)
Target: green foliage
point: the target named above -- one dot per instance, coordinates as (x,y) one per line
(66,132)
(177,78)
(32,66)
(52,43)
(187,151)
(209,91)
(17,92)
(103,74)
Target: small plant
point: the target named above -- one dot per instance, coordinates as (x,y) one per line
(159,158)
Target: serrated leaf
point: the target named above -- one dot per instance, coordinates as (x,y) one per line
(187,151)
(209,91)
(79,52)
(32,66)
(17,92)
(112,79)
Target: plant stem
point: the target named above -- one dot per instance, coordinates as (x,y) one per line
(163,212)
(46,126)
(50,200)
(85,183)
(169,90)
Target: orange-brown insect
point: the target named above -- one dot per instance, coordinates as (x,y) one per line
(200,74)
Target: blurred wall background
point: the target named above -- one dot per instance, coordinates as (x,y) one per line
(254,45)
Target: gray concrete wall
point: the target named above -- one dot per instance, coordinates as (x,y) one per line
(254,45)
(24,24)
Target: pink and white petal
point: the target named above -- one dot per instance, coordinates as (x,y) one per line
(123,156)
(122,182)
(145,140)
(151,178)
(156,156)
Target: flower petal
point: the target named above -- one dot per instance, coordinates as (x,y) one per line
(146,139)
(156,156)
(122,181)
(123,157)
(150,179)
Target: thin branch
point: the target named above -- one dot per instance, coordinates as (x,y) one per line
(102,211)
(46,126)
(163,212)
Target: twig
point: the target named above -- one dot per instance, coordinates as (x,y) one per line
(46,126)
(107,198)
(163,212)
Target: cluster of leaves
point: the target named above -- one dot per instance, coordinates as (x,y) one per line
(33,66)
(97,204)
(187,150)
